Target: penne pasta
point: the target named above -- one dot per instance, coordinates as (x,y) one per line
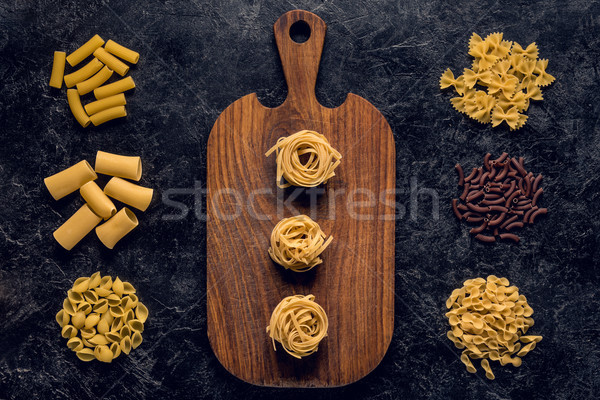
(69,180)
(77,227)
(58,69)
(117,87)
(128,167)
(83,73)
(129,193)
(107,115)
(95,81)
(122,52)
(97,200)
(116,228)
(84,51)
(111,61)
(76,107)
(103,104)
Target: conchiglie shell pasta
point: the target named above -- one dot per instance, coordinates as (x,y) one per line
(102,292)
(86,354)
(75,344)
(117,287)
(78,319)
(116,311)
(125,331)
(103,327)
(125,344)
(95,280)
(136,325)
(92,320)
(62,318)
(103,353)
(115,348)
(113,300)
(98,339)
(136,340)
(81,284)
(141,312)
(117,324)
(91,296)
(69,307)
(101,306)
(113,337)
(88,333)
(75,297)
(68,331)
(128,288)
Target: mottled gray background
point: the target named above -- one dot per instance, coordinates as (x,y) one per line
(196,58)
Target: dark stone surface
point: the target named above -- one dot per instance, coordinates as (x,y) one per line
(198,57)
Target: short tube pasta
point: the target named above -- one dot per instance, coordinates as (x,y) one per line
(129,193)
(107,115)
(103,104)
(84,51)
(83,73)
(97,200)
(69,180)
(77,227)
(111,61)
(117,87)
(128,167)
(76,107)
(95,81)
(117,227)
(58,69)
(122,52)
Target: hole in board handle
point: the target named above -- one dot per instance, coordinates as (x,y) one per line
(300,31)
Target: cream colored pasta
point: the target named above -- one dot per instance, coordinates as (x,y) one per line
(129,193)
(117,87)
(58,69)
(127,167)
(97,200)
(69,180)
(108,115)
(77,227)
(117,227)
(111,61)
(83,73)
(103,104)
(76,107)
(299,324)
(297,242)
(122,52)
(317,169)
(84,51)
(95,81)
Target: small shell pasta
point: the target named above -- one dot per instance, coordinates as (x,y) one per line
(117,227)
(86,354)
(129,193)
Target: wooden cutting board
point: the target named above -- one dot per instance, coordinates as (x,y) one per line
(355,283)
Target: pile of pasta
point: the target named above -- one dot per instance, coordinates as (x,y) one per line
(299,324)
(110,100)
(510,76)
(98,205)
(297,242)
(102,318)
(489,320)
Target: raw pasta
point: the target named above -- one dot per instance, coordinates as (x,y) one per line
(83,73)
(319,168)
(95,81)
(108,115)
(299,324)
(98,334)
(122,52)
(297,242)
(69,180)
(111,61)
(76,107)
(97,200)
(488,320)
(77,227)
(129,193)
(58,69)
(117,227)
(84,51)
(103,104)
(128,167)
(117,87)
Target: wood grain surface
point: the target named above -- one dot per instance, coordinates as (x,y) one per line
(355,283)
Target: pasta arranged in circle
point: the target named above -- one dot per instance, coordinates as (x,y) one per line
(102,318)
(319,168)
(299,324)
(297,242)
(489,320)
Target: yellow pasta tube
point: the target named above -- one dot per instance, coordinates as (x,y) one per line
(84,51)
(122,52)
(111,61)
(114,88)
(103,104)
(97,200)
(83,73)
(128,167)
(117,227)
(108,114)
(76,107)
(58,69)
(77,227)
(69,180)
(95,81)
(129,193)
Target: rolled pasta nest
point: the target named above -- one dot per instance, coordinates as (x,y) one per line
(299,324)
(297,242)
(317,169)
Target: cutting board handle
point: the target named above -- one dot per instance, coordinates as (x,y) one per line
(300,60)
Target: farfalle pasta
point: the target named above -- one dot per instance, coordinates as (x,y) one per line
(510,76)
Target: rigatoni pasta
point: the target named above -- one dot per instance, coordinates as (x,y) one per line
(122,52)
(128,167)
(103,104)
(117,87)
(97,200)
(76,107)
(77,227)
(83,73)
(95,81)
(69,180)
(108,115)
(84,51)
(58,69)
(111,61)
(117,227)
(129,193)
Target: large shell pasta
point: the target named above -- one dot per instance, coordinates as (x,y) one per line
(129,193)
(117,227)
(69,180)
(77,227)
(128,167)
